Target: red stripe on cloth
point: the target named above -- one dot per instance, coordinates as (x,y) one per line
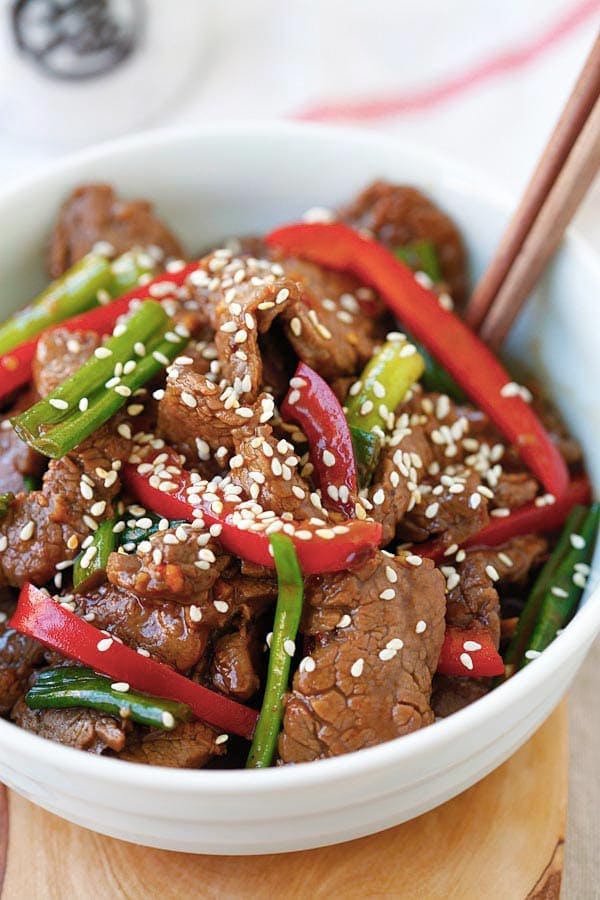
(506,61)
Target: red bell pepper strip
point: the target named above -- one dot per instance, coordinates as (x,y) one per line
(15,366)
(311,403)
(458,349)
(42,618)
(320,548)
(523,520)
(470,652)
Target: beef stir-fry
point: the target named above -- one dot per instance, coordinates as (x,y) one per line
(274,504)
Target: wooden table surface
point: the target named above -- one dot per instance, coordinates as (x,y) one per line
(501,839)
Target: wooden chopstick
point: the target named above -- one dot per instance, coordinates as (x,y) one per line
(546,232)
(556,153)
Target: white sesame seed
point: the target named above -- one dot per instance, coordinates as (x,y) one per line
(432,510)
(466,661)
(168,719)
(579,579)
(83,404)
(142,651)
(328,458)
(532,654)
(391,575)
(357,667)
(492,573)
(221,606)
(577,541)
(121,687)
(105,644)
(421,626)
(558,591)
(58,404)
(307,664)
(289,647)
(413,560)
(102,352)
(189,399)
(344,621)
(296,326)
(395,644)
(379,497)
(387,653)
(221,739)
(387,594)
(472,646)
(26,532)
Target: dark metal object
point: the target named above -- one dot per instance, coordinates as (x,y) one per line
(77,39)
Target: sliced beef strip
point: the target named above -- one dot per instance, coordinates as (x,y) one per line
(397,215)
(446,514)
(267,470)
(94,213)
(197,416)
(451,693)
(234,664)
(47,526)
(17,459)
(18,656)
(59,354)
(474,600)
(85,729)
(349,697)
(394,489)
(189,746)
(178,564)
(165,630)
(326,325)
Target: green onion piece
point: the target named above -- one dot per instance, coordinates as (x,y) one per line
(385,381)
(31,483)
(516,649)
(72,293)
(421,256)
(134,535)
(89,568)
(5,501)
(367,447)
(285,629)
(561,598)
(57,424)
(75,686)
(127,270)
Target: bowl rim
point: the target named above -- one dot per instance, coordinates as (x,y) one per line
(212,782)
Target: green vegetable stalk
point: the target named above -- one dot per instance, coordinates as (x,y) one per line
(75,686)
(89,568)
(285,629)
(367,447)
(74,292)
(384,383)
(84,402)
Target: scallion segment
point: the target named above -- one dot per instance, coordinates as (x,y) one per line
(66,687)
(285,629)
(547,604)
(82,287)
(421,256)
(94,393)
(90,565)
(367,447)
(384,383)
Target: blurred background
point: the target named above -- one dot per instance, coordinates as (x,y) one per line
(481,82)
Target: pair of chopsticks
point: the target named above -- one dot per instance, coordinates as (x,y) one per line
(566,169)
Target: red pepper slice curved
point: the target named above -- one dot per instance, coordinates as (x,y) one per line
(312,404)
(469,652)
(320,548)
(15,366)
(459,350)
(42,618)
(523,520)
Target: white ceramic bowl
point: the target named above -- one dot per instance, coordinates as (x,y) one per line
(234,179)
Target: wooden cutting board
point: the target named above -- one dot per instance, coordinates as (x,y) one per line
(501,839)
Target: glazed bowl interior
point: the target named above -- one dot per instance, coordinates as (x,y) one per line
(226,180)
